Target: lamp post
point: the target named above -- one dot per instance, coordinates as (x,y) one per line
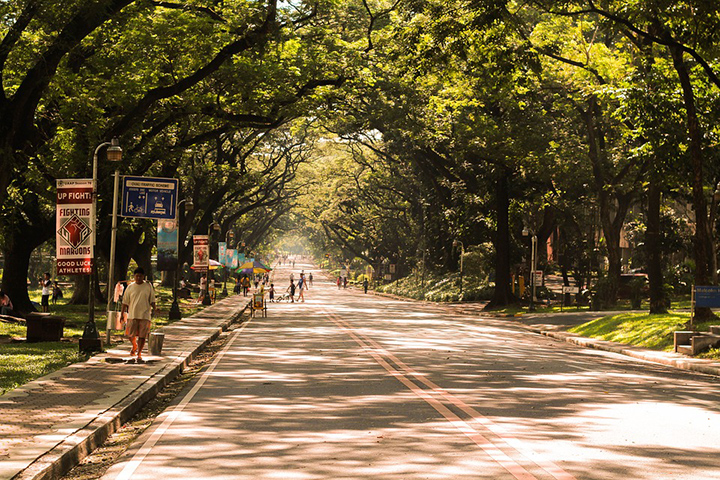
(174,313)
(462,254)
(213,227)
(533,258)
(229,236)
(90,340)
(117,156)
(713,213)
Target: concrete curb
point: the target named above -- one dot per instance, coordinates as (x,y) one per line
(676,360)
(69,452)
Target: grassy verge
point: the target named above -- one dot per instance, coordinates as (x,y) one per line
(643,330)
(22,362)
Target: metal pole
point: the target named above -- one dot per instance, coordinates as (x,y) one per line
(111,267)
(462,254)
(533,246)
(91,338)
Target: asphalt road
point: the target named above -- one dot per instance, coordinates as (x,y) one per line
(350,386)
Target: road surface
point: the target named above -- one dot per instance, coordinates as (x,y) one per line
(351,386)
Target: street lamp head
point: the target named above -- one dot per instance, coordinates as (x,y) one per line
(189,205)
(114,152)
(525,232)
(455,243)
(216,226)
(716,194)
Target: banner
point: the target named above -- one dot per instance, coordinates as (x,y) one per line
(75,227)
(201,253)
(167,246)
(222,248)
(234,263)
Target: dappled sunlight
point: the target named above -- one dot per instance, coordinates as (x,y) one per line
(352,386)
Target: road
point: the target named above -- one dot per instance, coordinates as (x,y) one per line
(350,386)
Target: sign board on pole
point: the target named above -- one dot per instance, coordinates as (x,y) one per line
(75,227)
(538,277)
(147,197)
(167,246)
(707,296)
(222,248)
(570,289)
(201,253)
(392,268)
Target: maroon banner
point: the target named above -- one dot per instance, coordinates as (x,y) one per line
(75,225)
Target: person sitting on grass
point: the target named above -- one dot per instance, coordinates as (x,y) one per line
(6,305)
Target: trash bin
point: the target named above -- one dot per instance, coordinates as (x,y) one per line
(156,343)
(44,327)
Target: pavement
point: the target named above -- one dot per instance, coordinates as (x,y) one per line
(48,425)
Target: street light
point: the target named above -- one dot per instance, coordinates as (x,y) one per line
(174,313)
(90,340)
(462,254)
(213,227)
(533,258)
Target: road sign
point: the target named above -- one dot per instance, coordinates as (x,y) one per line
(566,289)
(147,197)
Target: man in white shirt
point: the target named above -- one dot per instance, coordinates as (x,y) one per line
(139,303)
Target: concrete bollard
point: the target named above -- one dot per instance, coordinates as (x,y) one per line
(156,343)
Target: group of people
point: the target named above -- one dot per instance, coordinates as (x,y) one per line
(302,285)
(50,290)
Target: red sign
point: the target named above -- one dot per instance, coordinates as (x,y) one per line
(75,225)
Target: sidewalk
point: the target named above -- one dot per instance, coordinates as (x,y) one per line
(48,425)
(555,325)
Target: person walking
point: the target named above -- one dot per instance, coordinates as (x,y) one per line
(302,285)
(291,290)
(365,285)
(310,277)
(47,287)
(138,302)
(271,293)
(338,282)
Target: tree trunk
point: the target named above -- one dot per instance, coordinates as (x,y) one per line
(653,245)
(14,281)
(702,241)
(503,295)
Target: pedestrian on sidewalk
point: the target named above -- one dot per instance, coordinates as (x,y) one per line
(291,290)
(365,285)
(345,282)
(339,280)
(139,303)
(272,292)
(57,292)
(47,287)
(310,277)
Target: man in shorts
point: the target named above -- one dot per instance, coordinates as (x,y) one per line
(139,303)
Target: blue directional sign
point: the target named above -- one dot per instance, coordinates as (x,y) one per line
(147,197)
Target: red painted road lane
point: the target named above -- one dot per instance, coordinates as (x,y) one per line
(354,386)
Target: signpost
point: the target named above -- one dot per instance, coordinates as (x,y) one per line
(565,290)
(704,296)
(75,227)
(147,197)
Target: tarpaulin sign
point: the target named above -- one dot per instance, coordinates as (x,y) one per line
(75,227)
(201,253)
(167,245)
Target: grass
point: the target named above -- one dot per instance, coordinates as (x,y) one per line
(22,362)
(643,330)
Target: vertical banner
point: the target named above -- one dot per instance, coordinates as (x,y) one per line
(75,227)
(201,253)
(234,263)
(167,246)
(222,248)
